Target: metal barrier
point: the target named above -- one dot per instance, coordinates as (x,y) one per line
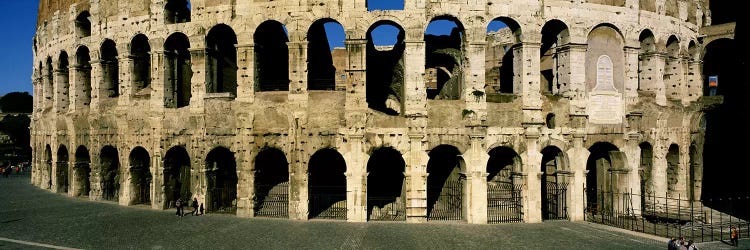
(504,203)
(555,204)
(272,201)
(448,205)
(386,209)
(328,202)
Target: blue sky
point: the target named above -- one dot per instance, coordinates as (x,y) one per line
(20,19)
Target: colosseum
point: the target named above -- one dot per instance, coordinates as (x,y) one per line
(246,106)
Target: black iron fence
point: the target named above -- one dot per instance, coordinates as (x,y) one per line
(665,216)
(386,209)
(222,200)
(328,202)
(554,202)
(448,205)
(272,201)
(504,203)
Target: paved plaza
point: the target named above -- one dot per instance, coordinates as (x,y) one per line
(31,218)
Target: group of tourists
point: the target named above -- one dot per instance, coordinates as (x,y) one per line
(8,169)
(681,244)
(197,210)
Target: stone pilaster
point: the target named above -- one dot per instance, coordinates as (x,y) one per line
(415,95)
(356,102)
(197,82)
(416,179)
(474,80)
(577,157)
(694,80)
(631,75)
(246,72)
(158,67)
(476,178)
(531,177)
(632,181)
(356,178)
(576,54)
(96,84)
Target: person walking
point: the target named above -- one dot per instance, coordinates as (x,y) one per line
(178,205)
(195,207)
(672,244)
(735,237)
(201,208)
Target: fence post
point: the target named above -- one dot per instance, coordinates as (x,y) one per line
(679,215)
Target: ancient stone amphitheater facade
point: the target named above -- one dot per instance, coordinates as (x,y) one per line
(241,105)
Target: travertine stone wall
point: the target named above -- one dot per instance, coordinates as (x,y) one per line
(655,100)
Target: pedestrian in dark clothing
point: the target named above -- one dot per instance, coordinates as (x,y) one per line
(195,207)
(672,244)
(735,236)
(201,208)
(178,205)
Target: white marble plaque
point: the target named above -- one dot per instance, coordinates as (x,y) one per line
(605,102)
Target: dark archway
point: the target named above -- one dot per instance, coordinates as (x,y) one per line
(47,85)
(385,67)
(48,166)
(82,171)
(109,163)
(110,69)
(177,11)
(63,172)
(140,176)
(599,187)
(321,62)
(83,76)
(696,173)
(221,176)
(386,185)
(503,196)
(645,171)
(444,40)
(178,72)
(445,184)
(673,170)
(83,24)
(554,185)
(327,185)
(554,37)
(140,67)
(271,184)
(221,61)
(63,83)
(176,176)
(271,57)
(502,39)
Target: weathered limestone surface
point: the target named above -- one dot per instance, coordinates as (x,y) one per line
(208,116)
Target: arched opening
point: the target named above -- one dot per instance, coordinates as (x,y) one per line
(374,5)
(599,186)
(178,72)
(63,85)
(444,54)
(554,186)
(271,184)
(647,71)
(673,170)
(673,74)
(176,176)
(221,176)
(503,196)
(109,69)
(385,67)
(140,176)
(62,170)
(553,63)
(83,76)
(271,57)
(140,67)
(48,83)
(550,120)
(110,173)
(385,185)
(326,56)
(327,185)
(604,60)
(503,40)
(445,184)
(83,24)
(48,166)
(177,11)
(721,61)
(645,171)
(82,171)
(221,63)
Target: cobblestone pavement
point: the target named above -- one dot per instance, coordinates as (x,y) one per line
(32,218)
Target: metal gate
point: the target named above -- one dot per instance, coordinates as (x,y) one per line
(272,201)
(555,204)
(328,203)
(449,204)
(504,202)
(222,200)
